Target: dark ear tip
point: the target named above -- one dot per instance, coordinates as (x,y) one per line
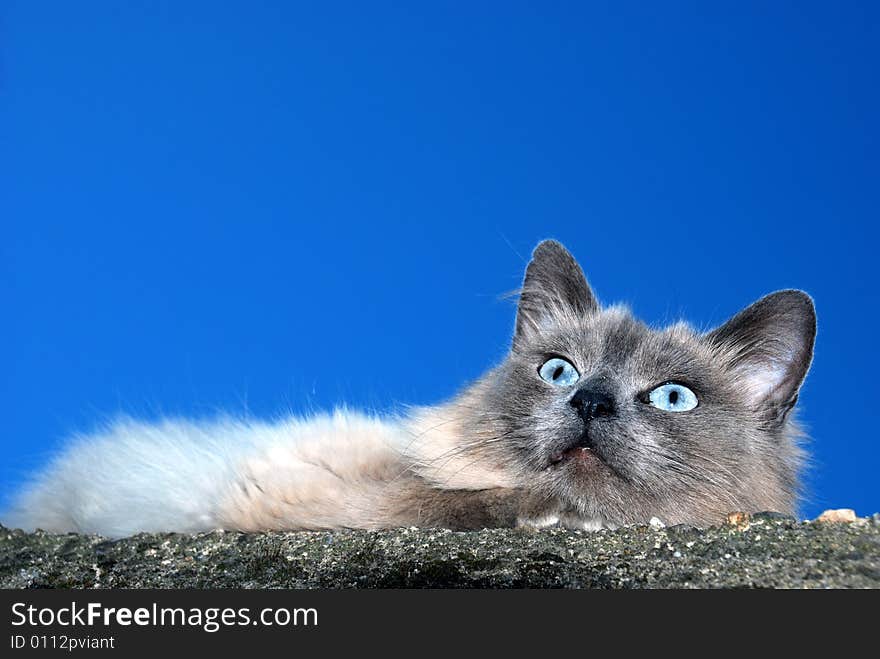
(795,301)
(791,311)
(548,247)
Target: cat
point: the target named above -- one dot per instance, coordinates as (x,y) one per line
(593,420)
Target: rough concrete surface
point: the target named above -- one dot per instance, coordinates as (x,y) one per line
(763,551)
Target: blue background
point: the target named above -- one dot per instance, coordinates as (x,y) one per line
(261,207)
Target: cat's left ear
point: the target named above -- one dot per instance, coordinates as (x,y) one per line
(769,347)
(554,289)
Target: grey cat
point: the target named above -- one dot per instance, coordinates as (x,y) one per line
(592,420)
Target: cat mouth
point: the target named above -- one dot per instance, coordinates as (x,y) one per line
(582,452)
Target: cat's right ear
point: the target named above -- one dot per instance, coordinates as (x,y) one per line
(554,289)
(769,347)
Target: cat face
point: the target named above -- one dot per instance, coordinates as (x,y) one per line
(618,422)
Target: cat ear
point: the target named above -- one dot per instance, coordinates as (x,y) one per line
(769,346)
(554,286)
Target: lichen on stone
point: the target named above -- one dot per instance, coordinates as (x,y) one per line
(764,551)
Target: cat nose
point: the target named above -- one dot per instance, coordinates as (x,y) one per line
(592,403)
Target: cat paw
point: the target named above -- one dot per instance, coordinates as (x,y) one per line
(535,523)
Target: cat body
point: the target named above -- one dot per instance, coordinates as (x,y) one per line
(592,420)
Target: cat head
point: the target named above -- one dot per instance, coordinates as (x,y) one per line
(620,422)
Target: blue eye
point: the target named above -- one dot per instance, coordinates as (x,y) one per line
(558,372)
(673,398)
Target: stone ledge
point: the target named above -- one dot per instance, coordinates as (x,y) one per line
(764,551)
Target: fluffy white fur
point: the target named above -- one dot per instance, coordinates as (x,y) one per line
(327,471)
